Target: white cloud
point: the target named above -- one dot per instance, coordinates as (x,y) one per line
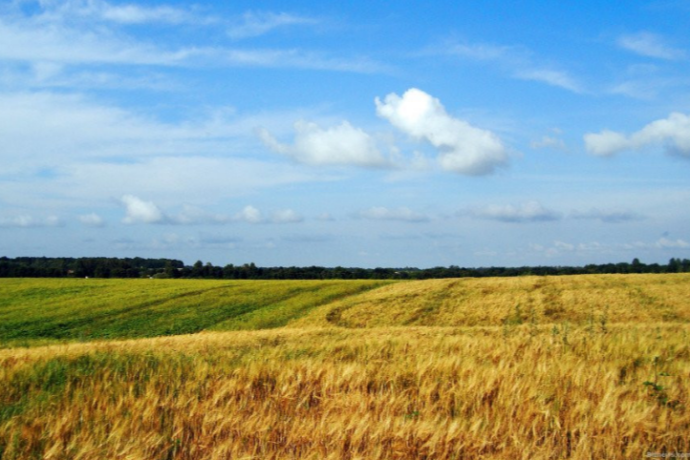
(286,216)
(558,248)
(399,214)
(249,214)
(665,243)
(28,221)
(340,145)
(255,24)
(462,148)
(619,249)
(673,133)
(606,143)
(650,45)
(92,220)
(147,212)
(525,213)
(140,211)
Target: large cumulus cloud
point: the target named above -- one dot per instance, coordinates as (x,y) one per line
(462,148)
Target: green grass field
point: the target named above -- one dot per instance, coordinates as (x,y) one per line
(34,311)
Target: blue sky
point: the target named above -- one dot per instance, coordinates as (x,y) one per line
(346,133)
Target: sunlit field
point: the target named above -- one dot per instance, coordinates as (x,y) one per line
(45,310)
(533,367)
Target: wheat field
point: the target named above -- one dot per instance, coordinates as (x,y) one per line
(558,367)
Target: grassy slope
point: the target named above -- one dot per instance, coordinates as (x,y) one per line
(78,309)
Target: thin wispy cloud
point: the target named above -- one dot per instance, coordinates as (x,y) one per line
(114,150)
(77,47)
(555,78)
(30,221)
(516,61)
(398,214)
(549,142)
(286,216)
(26,41)
(53,37)
(528,212)
(71,10)
(92,220)
(307,238)
(607,215)
(650,45)
(666,243)
(588,249)
(253,24)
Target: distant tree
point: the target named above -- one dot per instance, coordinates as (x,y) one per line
(685,265)
(197,270)
(229,272)
(636,266)
(170,270)
(674,265)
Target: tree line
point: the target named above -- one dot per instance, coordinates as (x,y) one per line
(44,267)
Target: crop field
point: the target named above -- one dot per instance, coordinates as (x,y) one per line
(35,310)
(533,367)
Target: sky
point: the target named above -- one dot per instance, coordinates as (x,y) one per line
(368,134)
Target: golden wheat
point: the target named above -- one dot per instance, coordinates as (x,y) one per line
(416,392)
(495,301)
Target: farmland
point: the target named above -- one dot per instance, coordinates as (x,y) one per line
(529,367)
(34,311)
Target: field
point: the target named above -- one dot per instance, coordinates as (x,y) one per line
(532,367)
(36,311)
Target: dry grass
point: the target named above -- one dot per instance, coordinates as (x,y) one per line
(416,392)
